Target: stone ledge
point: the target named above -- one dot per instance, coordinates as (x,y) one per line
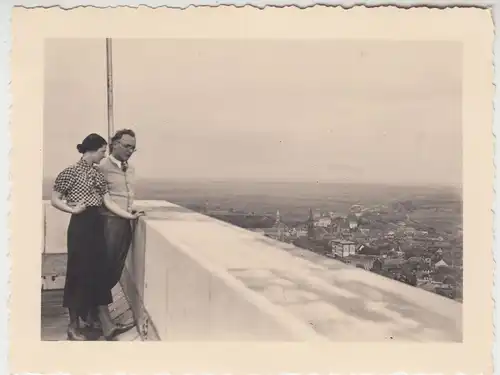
(338,301)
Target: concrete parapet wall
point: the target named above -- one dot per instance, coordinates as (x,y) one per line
(56,229)
(179,297)
(338,302)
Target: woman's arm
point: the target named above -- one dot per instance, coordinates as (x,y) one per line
(63,183)
(57,201)
(117,210)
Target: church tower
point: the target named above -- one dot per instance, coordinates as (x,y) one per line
(277,224)
(310,225)
(278,218)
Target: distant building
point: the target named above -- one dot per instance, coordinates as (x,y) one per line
(442,244)
(410,231)
(377,265)
(399,252)
(416,259)
(361,261)
(342,248)
(301,232)
(323,222)
(365,231)
(441,263)
(393,264)
(339,225)
(352,221)
(321,233)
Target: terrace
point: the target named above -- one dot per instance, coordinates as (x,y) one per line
(190,277)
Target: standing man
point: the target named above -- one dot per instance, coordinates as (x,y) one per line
(120,176)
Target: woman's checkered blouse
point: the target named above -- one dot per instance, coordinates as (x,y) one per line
(82,183)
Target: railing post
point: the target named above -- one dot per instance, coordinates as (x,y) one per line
(109,74)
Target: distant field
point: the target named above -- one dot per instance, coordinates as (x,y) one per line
(441,220)
(292,199)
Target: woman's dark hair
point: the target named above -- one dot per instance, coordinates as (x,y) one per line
(92,142)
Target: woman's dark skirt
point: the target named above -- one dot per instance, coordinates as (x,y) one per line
(88,268)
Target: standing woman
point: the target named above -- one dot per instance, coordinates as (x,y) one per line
(81,190)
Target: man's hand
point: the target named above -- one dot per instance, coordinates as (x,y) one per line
(138,214)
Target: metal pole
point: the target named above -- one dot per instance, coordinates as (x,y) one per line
(109,72)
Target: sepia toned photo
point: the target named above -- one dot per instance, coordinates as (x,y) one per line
(312,200)
(268,188)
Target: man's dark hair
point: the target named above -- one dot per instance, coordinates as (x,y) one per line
(118,135)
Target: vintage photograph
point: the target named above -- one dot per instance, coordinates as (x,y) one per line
(252,190)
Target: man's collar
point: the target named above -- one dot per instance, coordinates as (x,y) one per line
(115,160)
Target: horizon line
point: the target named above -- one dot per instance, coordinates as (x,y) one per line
(282,180)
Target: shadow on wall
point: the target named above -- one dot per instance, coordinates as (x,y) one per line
(358,299)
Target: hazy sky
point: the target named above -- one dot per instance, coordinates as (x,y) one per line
(354,111)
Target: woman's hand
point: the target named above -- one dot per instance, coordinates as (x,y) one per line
(78,208)
(70,208)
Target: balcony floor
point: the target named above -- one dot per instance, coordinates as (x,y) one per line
(54,321)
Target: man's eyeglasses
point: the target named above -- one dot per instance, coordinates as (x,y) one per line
(128,147)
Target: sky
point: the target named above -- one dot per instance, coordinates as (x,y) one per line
(308,110)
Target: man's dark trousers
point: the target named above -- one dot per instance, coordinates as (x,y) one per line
(118,234)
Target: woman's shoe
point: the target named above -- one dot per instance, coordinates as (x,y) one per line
(74,335)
